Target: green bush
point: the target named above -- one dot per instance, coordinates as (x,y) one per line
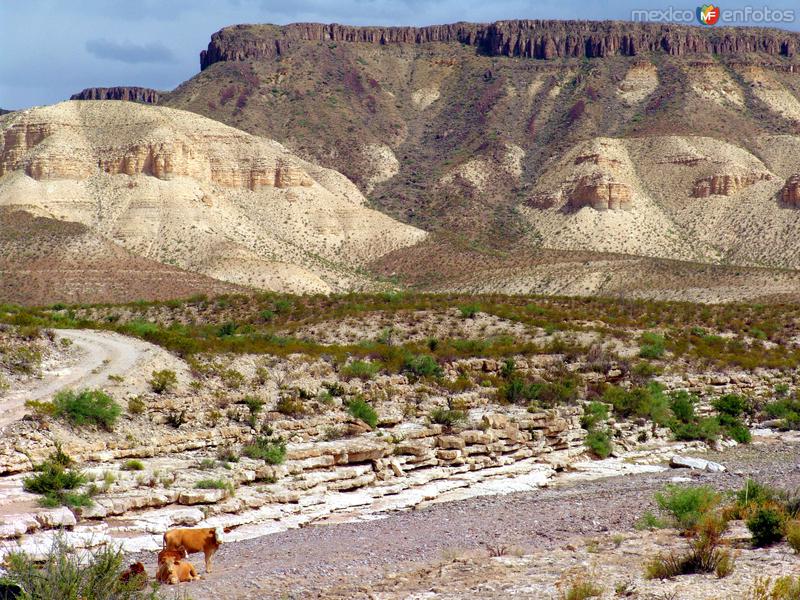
(69,574)
(214,484)
(648,402)
(687,505)
(423,365)
(164,381)
(54,480)
(651,345)
(87,407)
(255,405)
(447,417)
(766,526)
(755,494)
(360,369)
(785,409)
(594,413)
(133,465)
(468,311)
(360,409)
(599,442)
(269,449)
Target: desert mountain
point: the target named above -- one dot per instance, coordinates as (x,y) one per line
(182,190)
(652,140)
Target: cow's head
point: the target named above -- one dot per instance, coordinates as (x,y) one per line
(171,570)
(219,534)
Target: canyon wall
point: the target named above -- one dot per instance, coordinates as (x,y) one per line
(130,93)
(537,39)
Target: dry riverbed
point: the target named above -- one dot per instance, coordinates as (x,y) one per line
(442,551)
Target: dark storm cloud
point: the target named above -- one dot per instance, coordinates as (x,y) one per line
(129,52)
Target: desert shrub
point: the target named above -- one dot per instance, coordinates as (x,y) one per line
(422,365)
(214,484)
(290,406)
(133,465)
(650,520)
(599,442)
(164,381)
(55,481)
(785,409)
(643,371)
(651,345)
(334,388)
(447,417)
(360,409)
(468,311)
(766,526)
(783,588)
(647,402)
(87,407)
(69,573)
(271,450)
(685,425)
(754,495)
(731,407)
(701,558)
(565,390)
(360,369)
(136,406)
(232,379)
(792,531)
(594,413)
(206,464)
(581,588)
(254,404)
(686,506)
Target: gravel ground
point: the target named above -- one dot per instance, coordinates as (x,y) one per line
(303,563)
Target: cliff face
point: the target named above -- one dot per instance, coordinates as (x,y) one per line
(130,93)
(537,39)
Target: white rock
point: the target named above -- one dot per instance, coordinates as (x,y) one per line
(701,464)
(58,517)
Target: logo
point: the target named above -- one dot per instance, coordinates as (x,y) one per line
(708,14)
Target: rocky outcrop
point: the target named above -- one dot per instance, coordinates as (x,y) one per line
(600,193)
(725,184)
(123,92)
(790,194)
(53,150)
(539,39)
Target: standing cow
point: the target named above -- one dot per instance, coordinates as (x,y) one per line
(206,540)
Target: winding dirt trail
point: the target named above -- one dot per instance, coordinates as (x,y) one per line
(98,355)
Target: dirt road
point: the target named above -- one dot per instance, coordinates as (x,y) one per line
(96,355)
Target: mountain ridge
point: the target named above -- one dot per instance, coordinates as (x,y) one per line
(540,39)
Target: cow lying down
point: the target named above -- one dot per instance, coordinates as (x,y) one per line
(188,541)
(171,571)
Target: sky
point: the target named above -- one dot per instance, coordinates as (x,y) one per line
(51,49)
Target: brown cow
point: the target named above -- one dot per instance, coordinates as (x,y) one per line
(135,573)
(172,572)
(206,540)
(175,555)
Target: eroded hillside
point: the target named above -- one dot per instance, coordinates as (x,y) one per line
(649,140)
(178,189)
